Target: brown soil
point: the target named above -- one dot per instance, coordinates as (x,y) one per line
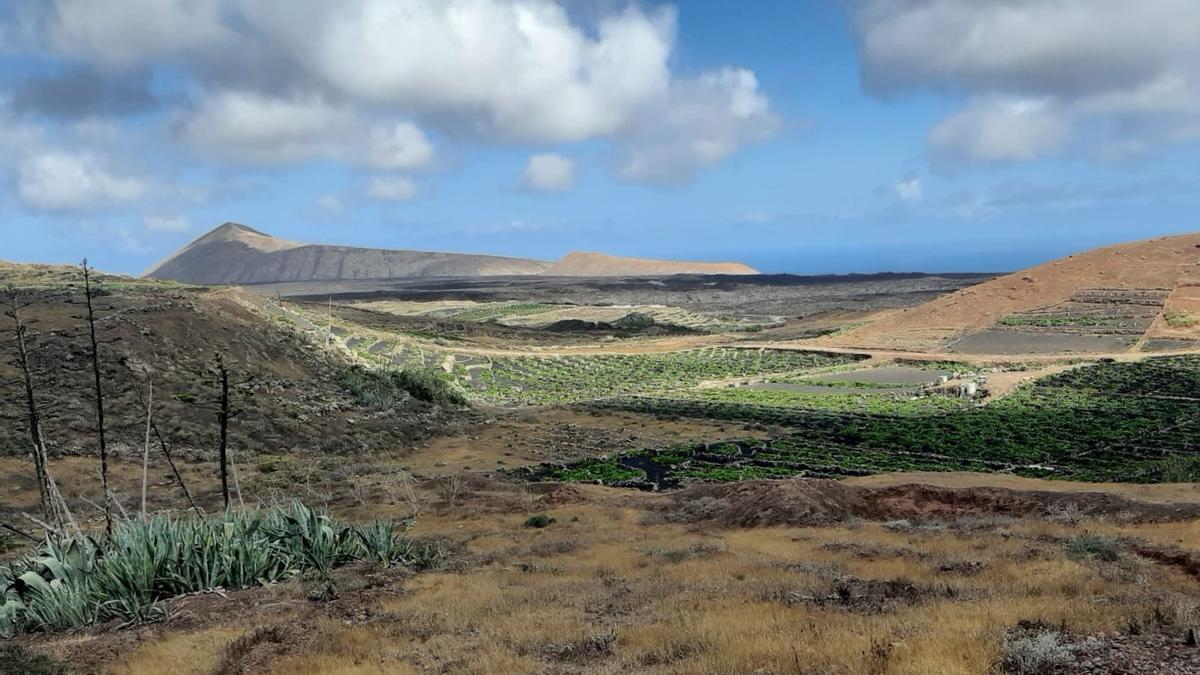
(1156,493)
(822,502)
(1184,303)
(515,438)
(1167,262)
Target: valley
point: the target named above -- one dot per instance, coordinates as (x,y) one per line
(676,474)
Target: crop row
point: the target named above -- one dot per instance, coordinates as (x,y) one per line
(1096,423)
(549,380)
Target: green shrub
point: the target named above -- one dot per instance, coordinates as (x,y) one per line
(384,388)
(1176,319)
(539,521)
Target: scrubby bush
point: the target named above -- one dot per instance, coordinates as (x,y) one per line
(539,521)
(1093,547)
(384,388)
(78,581)
(1039,654)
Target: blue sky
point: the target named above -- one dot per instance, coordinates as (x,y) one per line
(806,137)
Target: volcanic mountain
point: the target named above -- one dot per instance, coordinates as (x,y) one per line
(1145,290)
(237,254)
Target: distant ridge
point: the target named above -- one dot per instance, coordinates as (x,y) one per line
(579,264)
(237,254)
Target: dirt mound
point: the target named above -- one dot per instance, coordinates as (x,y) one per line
(561,496)
(766,502)
(578,264)
(236,254)
(919,502)
(809,502)
(1164,263)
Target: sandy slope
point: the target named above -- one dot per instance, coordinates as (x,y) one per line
(1166,262)
(578,264)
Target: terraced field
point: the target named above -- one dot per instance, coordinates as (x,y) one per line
(570,379)
(542,315)
(1092,320)
(1126,422)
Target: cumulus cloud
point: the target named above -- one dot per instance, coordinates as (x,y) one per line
(330,205)
(1002,130)
(304,80)
(521,68)
(133,32)
(255,128)
(548,173)
(62,181)
(705,121)
(391,188)
(1041,75)
(909,190)
(166,223)
(82,92)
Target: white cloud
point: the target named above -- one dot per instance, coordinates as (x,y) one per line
(167,223)
(1002,130)
(398,146)
(132,32)
(61,181)
(331,205)
(305,80)
(391,188)
(520,69)
(249,127)
(1042,76)
(909,190)
(705,121)
(548,173)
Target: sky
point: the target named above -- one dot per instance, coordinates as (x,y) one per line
(802,136)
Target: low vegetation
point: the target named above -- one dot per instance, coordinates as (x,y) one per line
(1127,422)
(385,388)
(551,380)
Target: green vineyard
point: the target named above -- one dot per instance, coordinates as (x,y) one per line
(1130,422)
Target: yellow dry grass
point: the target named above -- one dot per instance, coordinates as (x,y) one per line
(604,591)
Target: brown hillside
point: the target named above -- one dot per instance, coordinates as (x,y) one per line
(170,333)
(579,264)
(1163,263)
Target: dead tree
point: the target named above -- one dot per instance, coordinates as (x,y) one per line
(174,469)
(56,514)
(33,417)
(146,445)
(223,416)
(230,398)
(89,293)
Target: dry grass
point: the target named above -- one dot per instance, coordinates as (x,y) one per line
(623,596)
(605,589)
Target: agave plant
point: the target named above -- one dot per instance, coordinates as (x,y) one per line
(76,581)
